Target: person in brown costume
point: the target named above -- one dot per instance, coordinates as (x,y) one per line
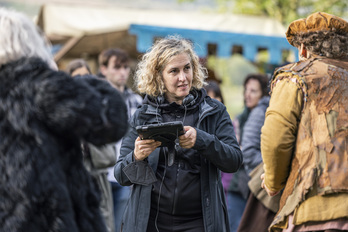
(304,141)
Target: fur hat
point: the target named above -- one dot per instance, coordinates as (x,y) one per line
(319,21)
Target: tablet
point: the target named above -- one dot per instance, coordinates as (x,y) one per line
(164,132)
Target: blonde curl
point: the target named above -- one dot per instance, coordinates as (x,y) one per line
(149,72)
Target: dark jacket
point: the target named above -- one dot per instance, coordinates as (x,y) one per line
(219,150)
(44,115)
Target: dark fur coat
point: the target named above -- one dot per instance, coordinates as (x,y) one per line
(44,115)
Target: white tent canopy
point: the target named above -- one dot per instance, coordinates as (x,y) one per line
(77,20)
(90,29)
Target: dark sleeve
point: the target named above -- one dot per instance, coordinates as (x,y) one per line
(128,171)
(87,108)
(220,147)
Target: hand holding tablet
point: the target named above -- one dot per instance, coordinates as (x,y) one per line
(164,132)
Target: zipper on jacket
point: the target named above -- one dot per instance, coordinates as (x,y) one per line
(176,189)
(204,114)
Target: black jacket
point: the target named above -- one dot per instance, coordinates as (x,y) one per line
(219,150)
(44,114)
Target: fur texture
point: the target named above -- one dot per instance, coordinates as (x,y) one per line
(44,114)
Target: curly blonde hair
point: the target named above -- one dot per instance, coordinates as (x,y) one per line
(149,73)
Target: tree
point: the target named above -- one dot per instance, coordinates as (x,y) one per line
(283,10)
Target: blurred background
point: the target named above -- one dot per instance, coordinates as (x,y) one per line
(232,37)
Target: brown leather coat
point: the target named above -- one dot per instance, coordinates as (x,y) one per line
(320,161)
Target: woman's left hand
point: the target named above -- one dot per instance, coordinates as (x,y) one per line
(188,139)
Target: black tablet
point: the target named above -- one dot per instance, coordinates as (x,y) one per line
(164,132)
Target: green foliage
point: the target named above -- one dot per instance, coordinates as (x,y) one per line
(233,99)
(285,11)
(233,70)
(288,10)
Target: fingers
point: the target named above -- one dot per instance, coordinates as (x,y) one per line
(269,192)
(262,176)
(143,148)
(263,180)
(188,140)
(272,194)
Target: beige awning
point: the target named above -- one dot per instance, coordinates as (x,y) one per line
(90,29)
(77,20)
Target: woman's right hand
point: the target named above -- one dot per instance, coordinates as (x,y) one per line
(143,148)
(269,192)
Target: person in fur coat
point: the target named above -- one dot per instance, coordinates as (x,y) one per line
(44,116)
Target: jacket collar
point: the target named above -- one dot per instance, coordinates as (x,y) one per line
(206,107)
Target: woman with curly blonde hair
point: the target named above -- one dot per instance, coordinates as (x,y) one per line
(177,184)
(149,73)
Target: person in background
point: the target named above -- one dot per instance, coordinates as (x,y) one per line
(44,115)
(304,141)
(186,194)
(114,66)
(238,125)
(214,91)
(256,100)
(78,67)
(260,208)
(97,159)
